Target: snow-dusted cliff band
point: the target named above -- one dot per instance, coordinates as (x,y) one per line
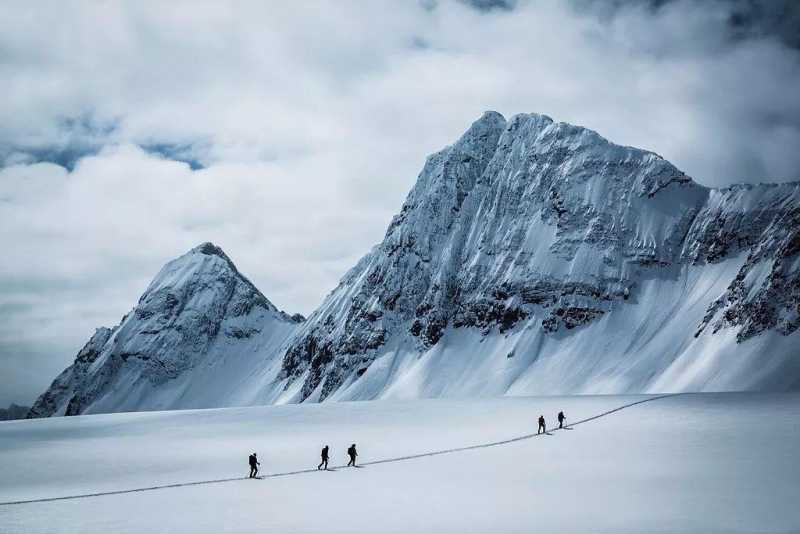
(531,257)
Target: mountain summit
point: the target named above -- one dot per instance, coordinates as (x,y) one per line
(537,257)
(195,339)
(531,257)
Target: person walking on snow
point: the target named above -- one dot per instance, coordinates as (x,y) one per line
(351,452)
(561,418)
(254,463)
(324,458)
(542,426)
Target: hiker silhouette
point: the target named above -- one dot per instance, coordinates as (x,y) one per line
(324,455)
(351,452)
(542,425)
(561,419)
(254,463)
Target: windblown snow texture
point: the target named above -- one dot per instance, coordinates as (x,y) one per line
(200,336)
(531,257)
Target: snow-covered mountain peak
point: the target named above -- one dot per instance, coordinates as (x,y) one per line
(210,249)
(535,227)
(198,313)
(540,136)
(530,257)
(486,124)
(203,275)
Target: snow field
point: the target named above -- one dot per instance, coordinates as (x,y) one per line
(690,463)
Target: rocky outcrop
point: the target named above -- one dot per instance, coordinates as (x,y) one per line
(765,294)
(14,411)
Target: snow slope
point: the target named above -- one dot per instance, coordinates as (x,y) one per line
(705,463)
(201,336)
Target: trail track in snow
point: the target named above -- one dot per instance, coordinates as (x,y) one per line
(333,468)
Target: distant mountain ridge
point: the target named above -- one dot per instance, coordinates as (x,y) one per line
(14,411)
(531,257)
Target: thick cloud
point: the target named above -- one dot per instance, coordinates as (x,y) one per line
(289,133)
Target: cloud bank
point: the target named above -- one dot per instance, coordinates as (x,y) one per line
(289,133)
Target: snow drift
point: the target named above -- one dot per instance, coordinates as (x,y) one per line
(531,257)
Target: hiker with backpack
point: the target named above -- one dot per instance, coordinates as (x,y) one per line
(561,419)
(351,452)
(324,461)
(254,463)
(542,426)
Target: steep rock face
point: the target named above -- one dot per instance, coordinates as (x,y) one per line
(535,230)
(764,222)
(383,291)
(199,323)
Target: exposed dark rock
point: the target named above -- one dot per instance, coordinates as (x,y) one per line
(14,411)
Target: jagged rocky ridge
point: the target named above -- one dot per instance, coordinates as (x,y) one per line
(531,257)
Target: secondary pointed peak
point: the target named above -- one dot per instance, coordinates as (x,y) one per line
(210,249)
(492,116)
(490,120)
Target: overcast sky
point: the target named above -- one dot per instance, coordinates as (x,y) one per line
(289,132)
